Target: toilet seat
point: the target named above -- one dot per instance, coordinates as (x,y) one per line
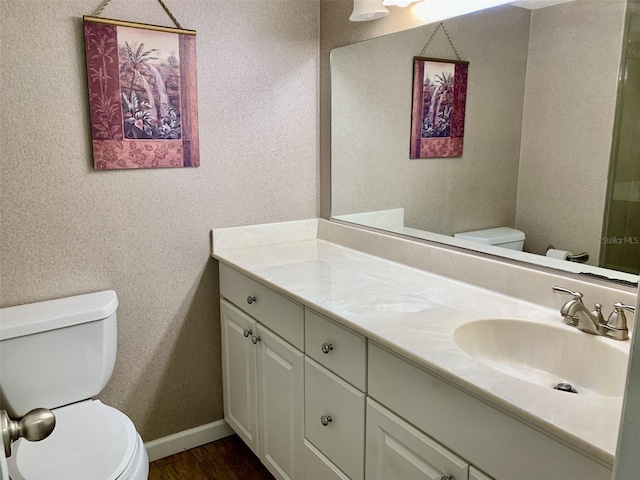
(90,441)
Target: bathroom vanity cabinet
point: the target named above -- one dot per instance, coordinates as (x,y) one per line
(316,400)
(263,373)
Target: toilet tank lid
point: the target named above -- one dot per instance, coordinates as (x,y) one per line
(53,314)
(493,236)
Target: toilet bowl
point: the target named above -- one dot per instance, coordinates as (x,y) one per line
(91,440)
(58,355)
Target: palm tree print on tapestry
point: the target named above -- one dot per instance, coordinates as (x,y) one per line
(102,55)
(149,84)
(142,95)
(438,99)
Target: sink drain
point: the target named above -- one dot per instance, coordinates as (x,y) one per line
(565,387)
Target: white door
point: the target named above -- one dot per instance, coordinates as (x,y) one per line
(239,373)
(627,462)
(281,406)
(395,449)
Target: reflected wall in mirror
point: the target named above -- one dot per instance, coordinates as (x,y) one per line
(542,100)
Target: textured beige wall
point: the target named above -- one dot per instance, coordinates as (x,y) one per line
(335,31)
(570,101)
(67,229)
(371,105)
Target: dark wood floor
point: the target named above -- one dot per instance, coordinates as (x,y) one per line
(226,459)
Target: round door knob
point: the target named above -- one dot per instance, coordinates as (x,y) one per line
(255,339)
(326,348)
(36,425)
(246,332)
(326,420)
(251,299)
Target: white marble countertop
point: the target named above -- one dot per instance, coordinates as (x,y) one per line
(415,313)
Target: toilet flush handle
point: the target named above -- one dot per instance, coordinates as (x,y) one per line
(36,425)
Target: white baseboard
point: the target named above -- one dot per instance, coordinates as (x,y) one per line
(181,441)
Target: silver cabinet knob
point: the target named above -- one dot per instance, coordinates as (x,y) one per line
(246,333)
(251,299)
(326,348)
(326,420)
(255,339)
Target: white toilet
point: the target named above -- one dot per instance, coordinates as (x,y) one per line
(504,237)
(57,355)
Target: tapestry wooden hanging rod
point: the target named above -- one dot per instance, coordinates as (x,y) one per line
(124,23)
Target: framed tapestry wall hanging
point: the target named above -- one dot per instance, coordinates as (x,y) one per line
(142,94)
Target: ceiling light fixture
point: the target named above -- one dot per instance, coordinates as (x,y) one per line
(398,3)
(365,10)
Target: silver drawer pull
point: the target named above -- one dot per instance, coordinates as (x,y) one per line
(326,420)
(251,299)
(255,339)
(246,333)
(326,348)
(451,477)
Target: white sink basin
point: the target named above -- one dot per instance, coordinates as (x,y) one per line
(547,355)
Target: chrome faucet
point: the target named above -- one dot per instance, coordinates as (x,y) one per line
(576,314)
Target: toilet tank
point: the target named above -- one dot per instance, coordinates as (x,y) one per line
(504,237)
(56,352)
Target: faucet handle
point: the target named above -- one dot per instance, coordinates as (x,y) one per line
(618,319)
(597,314)
(616,326)
(569,319)
(566,291)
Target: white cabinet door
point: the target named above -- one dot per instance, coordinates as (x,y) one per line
(475,474)
(319,467)
(395,449)
(281,406)
(239,374)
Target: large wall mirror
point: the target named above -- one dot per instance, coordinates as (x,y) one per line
(551,143)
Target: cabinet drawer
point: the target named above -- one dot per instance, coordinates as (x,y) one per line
(342,439)
(396,449)
(340,350)
(281,315)
(319,467)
